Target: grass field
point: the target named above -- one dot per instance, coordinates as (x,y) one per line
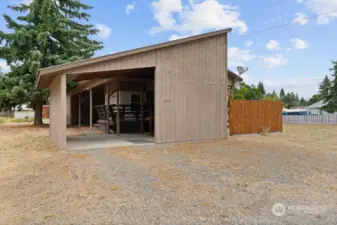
(240,177)
(6,120)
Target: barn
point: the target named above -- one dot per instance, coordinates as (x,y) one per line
(174,91)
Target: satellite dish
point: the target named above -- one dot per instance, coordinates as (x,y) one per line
(241,70)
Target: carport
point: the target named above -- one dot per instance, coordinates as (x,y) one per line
(189,82)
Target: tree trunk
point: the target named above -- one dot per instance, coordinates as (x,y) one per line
(38,112)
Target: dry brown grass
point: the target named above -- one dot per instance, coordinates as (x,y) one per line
(35,175)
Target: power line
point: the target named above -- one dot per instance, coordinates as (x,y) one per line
(284,25)
(289,23)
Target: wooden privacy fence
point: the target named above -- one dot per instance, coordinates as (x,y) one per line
(311,119)
(255,116)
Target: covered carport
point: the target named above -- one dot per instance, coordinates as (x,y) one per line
(189,82)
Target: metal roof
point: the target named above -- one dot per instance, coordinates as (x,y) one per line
(317,105)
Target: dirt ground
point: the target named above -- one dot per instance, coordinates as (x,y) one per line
(233,181)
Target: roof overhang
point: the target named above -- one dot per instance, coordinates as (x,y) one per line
(57,70)
(234,76)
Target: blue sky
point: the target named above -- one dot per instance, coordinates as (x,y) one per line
(295,57)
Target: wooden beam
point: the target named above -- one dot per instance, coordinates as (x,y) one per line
(90,99)
(79,110)
(118,114)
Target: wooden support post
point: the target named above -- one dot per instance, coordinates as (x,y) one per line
(150,114)
(90,99)
(108,109)
(79,110)
(118,114)
(141,111)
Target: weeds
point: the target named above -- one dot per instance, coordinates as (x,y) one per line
(265,131)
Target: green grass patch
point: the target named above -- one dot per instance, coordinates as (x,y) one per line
(3,120)
(23,120)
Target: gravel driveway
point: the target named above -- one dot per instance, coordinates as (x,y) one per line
(228,182)
(288,178)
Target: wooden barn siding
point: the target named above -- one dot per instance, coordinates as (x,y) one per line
(191,92)
(58,111)
(252,116)
(311,119)
(191,87)
(141,60)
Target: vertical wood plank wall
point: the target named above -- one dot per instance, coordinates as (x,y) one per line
(58,111)
(190,87)
(190,83)
(252,116)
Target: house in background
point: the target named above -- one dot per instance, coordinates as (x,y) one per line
(316,109)
(296,112)
(24,112)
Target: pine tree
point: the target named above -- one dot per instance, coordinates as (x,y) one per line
(314,99)
(271,96)
(282,95)
(324,88)
(261,89)
(331,107)
(303,102)
(47,33)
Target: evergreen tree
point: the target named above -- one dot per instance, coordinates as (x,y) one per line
(314,99)
(282,95)
(261,89)
(324,88)
(303,102)
(332,97)
(271,96)
(47,33)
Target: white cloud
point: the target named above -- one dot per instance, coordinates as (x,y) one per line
(247,78)
(163,13)
(322,7)
(174,37)
(130,7)
(299,44)
(239,56)
(4,67)
(249,43)
(301,19)
(273,45)
(196,18)
(273,61)
(104,31)
(289,49)
(26,2)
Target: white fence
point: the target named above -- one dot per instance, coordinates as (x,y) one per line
(311,119)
